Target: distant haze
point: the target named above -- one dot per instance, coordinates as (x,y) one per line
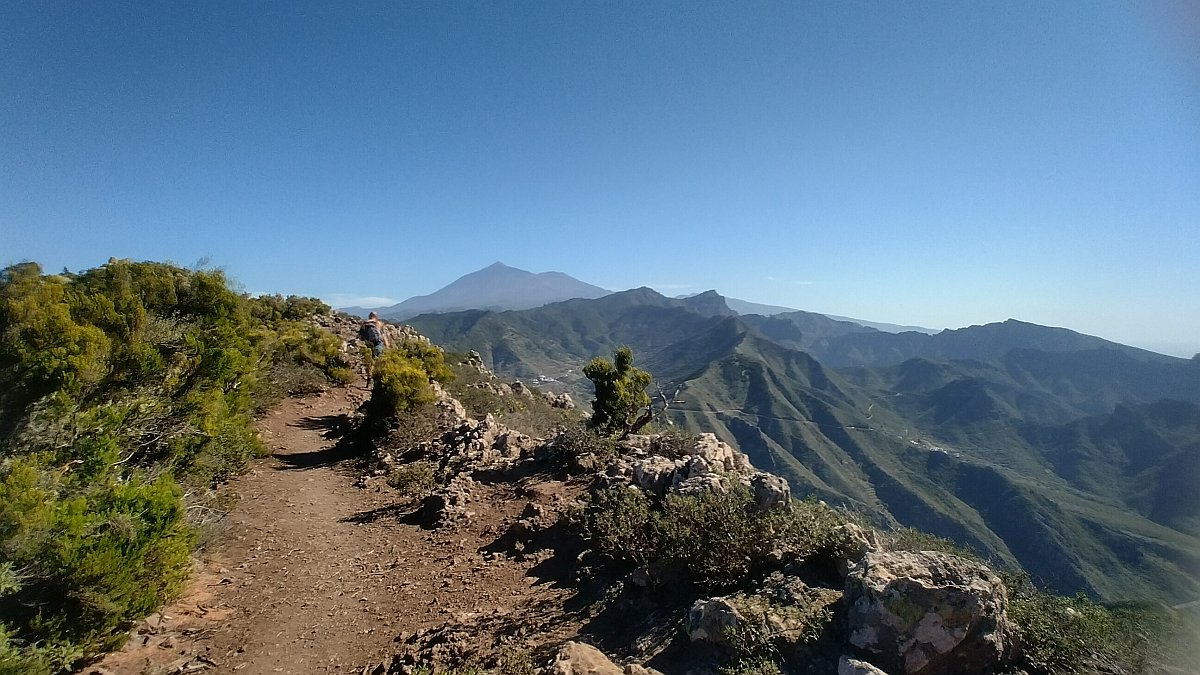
(501,287)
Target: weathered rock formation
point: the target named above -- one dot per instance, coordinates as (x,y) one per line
(928,612)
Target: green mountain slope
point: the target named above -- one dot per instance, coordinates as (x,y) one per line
(1035,446)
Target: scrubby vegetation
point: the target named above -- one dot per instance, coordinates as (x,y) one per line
(677,533)
(1078,635)
(401,379)
(126,395)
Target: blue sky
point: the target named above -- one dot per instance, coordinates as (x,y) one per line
(940,164)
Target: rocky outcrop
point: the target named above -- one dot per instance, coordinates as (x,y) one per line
(929,613)
(578,658)
(447,504)
(783,612)
(563,401)
(707,465)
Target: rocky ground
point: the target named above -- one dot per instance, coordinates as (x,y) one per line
(320,571)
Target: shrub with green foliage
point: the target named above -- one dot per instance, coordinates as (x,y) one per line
(620,393)
(678,532)
(121,388)
(413,479)
(1078,635)
(400,382)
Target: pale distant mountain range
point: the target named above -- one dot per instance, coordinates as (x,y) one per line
(499,287)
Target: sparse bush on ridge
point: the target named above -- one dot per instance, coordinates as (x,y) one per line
(680,532)
(1078,635)
(479,392)
(120,387)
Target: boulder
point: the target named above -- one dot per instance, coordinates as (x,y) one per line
(770,491)
(928,612)
(514,444)
(563,401)
(712,620)
(577,658)
(637,442)
(448,504)
(784,610)
(450,410)
(697,485)
(654,474)
(720,455)
(855,544)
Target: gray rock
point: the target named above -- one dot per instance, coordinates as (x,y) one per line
(654,474)
(855,544)
(698,485)
(849,666)
(721,455)
(930,613)
(770,491)
(577,658)
(563,401)
(712,620)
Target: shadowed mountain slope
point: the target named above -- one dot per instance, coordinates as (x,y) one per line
(1035,446)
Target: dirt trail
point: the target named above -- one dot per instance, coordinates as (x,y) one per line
(317,575)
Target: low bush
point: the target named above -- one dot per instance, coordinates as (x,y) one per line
(412,479)
(400,385)
(580,439)
(678,532)
(752,666)
(1078,635)
(909,539)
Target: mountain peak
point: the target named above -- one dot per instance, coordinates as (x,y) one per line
(495,287)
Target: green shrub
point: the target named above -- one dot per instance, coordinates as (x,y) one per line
(715,540)
(342,375)
(431,359)
(412,479)
(620,392)
(107,378)
(909,539)
(401,385)
(578,440)
(617,522)
(1078,635)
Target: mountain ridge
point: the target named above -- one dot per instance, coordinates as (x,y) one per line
(933,442)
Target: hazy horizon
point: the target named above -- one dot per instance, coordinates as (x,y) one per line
(936,164)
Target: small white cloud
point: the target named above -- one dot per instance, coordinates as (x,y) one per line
(351,300)
(803,283)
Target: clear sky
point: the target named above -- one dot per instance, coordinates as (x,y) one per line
(940,164)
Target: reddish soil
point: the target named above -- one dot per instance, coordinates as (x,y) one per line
(316,574)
